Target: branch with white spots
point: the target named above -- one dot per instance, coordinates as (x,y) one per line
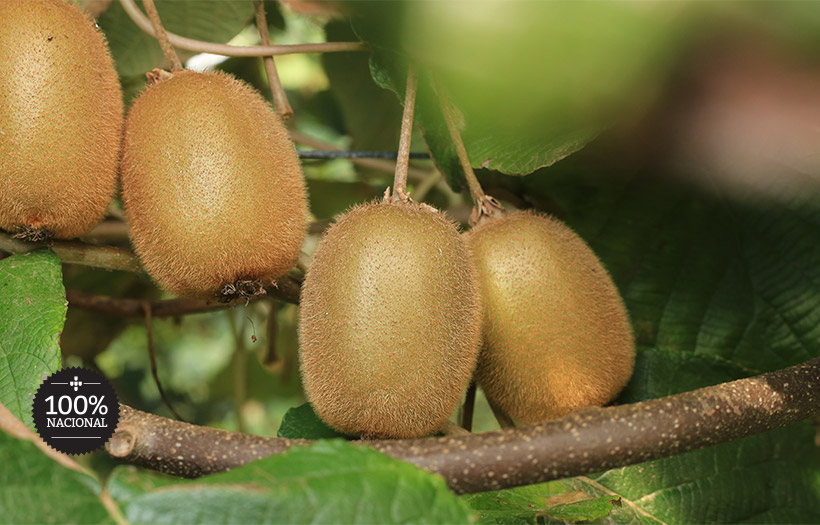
(586,441)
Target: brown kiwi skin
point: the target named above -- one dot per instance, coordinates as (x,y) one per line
(212,186)
(556,333)
(389,326)
(60,116)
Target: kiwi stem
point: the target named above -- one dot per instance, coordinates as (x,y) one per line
(484,206)
(198,46)
(403,159)
(149,336)
(468,408)
(161,35)
(280,99)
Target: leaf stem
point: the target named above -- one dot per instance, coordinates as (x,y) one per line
(198,46)
(406,137)
(161,35)
(280,99)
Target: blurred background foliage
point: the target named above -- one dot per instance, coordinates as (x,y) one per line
(678,139)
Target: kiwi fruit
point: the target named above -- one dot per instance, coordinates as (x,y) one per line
(60,120)
(212,186)
(556,334)
(389,322)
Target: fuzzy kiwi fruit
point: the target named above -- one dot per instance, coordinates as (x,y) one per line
(212,186)
(60,120)
(389,322)
(556,334)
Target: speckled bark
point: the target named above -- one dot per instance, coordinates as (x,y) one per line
(588,440)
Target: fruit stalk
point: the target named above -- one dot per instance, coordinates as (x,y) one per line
(403,160)
(162,36)
(280,99)
(484,206)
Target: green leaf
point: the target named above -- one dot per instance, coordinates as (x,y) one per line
(135,52)
(771,477)
(32,313)
(328,482)
(302,423)
(585,510)
(371,114)
(533,81)
(518,505)
(36,489)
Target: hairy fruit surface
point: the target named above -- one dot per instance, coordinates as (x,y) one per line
(60,120)
(212,185)
(389,322)
(556,333)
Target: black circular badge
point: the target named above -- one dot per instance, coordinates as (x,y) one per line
(75,410)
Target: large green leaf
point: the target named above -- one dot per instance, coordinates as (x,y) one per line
(32,313)
(36,489)
(533,81)
(371,114)
(328,482)
(135,52)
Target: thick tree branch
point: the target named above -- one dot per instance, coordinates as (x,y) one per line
(199,46)
(588,440)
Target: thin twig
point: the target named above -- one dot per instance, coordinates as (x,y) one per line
(485,206)
(587,440)
(162,36)
(271,359)
(199,46)
(280,99)
(415,174)
(70,252)
(503,419)
(240,364)
(403,159)
(424,187)
(112,258)
(468,408)
(149,335)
